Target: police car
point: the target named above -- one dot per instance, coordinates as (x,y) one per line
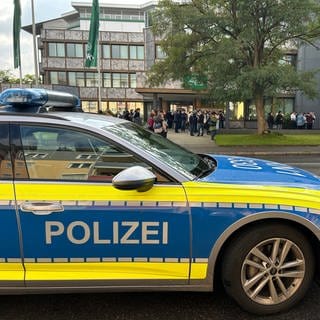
(96,203)
(37,100)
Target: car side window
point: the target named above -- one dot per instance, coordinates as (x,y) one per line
(65,154)
(5,161)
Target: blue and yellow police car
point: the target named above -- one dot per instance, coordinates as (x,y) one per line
(96,203)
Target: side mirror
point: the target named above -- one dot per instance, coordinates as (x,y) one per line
(134,178)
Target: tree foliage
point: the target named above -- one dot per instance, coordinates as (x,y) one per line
(237,45)
(6,76)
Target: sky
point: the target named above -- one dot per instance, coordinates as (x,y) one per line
(44,10)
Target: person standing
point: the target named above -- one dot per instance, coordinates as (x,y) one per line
(293,120)
(184,119)
(301,121)
(150,120)
(213,125)
(136,117)
(270,120)
(279,120)
(193,123)
(200,123)
(309,120)
(160,126)
(221,119)
(177,121)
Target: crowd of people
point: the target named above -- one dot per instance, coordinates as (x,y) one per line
(200,122)
(301,120)
(132,115)
(196,122)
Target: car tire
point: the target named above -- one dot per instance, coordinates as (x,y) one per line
(269,268)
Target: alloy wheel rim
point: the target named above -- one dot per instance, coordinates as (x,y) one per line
(273,271)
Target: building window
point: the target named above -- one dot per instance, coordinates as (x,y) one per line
(120,80)
(106,51)
(92,79)
(90,106)
(56,49)
(236,110)
(134,106)
(290,59)
(107,80)
(160,54)
(74,50)
(119,51)
(117,107)
(133,80)
(285,105)
(76,79)
(136,52)
(58,77)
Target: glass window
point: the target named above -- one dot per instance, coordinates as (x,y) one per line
(134,106)
(119,51)
(252,112)
(74,50)
(159,52)
(106,51)
(133,80)
(72,155)
(137,52)
(56,49)
(113,107)
(285,105)
(58,77)
(76,79)
(290,59)
(107,80)
(90,106)
(5,160)
(236,110)
(120,80)
(92,79)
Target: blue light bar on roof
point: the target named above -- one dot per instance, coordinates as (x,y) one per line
(38,97)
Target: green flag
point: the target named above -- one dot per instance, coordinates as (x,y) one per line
(16,33)
(91,58)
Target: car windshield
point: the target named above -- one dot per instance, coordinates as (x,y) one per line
(182,160)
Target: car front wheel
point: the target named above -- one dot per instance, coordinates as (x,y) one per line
(269,268)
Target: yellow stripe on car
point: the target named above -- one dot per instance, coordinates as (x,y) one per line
(252,194)
(114,271)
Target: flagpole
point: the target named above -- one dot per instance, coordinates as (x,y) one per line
(20,70)
(99,72)
(36,73)
(16,37)
(93,50)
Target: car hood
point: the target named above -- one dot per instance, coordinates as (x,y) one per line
(243,170)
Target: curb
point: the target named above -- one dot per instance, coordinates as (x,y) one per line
(265,153)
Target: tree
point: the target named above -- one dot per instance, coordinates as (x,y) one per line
(236,45)
(6,76)
(29,79)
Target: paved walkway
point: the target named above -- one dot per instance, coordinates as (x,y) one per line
(205,145)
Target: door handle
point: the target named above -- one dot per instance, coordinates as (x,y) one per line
(41,208)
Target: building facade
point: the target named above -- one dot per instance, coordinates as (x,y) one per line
(127,50)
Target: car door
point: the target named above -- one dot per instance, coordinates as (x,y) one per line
(78,228)
(11,268)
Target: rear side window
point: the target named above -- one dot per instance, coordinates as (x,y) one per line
(5,160)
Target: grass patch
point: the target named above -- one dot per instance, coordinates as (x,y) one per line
(267,140)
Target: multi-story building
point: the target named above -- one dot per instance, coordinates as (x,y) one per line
(127,49)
